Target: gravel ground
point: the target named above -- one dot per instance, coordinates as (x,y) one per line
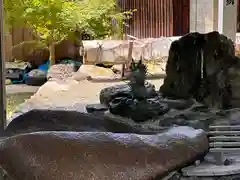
(72,92)
(68,95)
(65,92)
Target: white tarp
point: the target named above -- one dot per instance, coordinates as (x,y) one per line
(116,51)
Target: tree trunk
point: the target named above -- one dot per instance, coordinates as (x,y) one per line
(52,53)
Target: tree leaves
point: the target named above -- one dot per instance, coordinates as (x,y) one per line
(51,21)
(58,18)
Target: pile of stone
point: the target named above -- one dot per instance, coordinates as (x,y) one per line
(99,155)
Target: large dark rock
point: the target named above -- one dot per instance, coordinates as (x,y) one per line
(199,117)
(138,110)
(123,90)
(95,155)
(36,77)
(60,120)
(37,73)
(96,108)
(137,100)
(197,68)
(178,103)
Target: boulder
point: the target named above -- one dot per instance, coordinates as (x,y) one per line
(147,127)
(125,90)
(60,71)
(79,76)
(195,119)
(36,77)
(96,72)
(197,67)
(99,155)
(61,120)
(96,108)
(37,73)
(178,103)
(138,110)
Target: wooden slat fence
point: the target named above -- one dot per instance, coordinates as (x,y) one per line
(13,38)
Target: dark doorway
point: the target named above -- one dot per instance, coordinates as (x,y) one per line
(181,15)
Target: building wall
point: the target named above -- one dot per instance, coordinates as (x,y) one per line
(202,15)
(156,18)
(228,12)
(153,18)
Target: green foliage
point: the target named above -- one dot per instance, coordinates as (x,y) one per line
(51,21)
(54,20)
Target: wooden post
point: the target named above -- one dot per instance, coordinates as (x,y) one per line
(129,58)
(2,74)
(123,69)
(130,49)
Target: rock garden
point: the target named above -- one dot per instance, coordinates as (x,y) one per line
(182,127)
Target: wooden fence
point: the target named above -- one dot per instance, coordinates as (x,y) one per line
(13,38)
(156,18)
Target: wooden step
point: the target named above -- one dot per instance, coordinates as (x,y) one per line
(224,138)
(224,144)
(224,133)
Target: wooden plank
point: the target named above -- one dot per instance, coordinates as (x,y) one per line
(224,133)
(155,76)
(8,47)
(219,150)
(17,38)
(129,58)
(224,138)
(232,127)
(130,50)
(224,144)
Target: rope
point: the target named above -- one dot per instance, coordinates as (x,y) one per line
(144,45)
